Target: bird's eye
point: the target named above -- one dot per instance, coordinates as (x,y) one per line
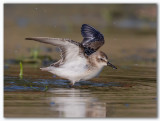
(101,59)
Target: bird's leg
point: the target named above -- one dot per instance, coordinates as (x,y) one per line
(71,84)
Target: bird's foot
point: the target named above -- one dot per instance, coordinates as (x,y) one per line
(71,85)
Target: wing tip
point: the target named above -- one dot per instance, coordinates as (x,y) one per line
(85,25)
(28,38)
(46,69)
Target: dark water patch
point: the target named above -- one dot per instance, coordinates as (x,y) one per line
(57,82)
(26,84)
(11,61)
(20,88)
(95,84)
(134,78)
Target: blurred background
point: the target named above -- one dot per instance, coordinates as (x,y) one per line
(130,30)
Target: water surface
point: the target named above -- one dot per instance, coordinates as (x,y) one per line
(129,91)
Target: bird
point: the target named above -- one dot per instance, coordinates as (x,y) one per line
(79,61)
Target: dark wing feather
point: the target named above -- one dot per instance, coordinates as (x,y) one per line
(93,39)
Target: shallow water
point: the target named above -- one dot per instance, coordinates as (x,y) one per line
(129,91)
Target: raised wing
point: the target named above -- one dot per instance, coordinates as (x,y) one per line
(93,39)
(69,48)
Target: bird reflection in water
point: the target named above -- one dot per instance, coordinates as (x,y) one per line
(76,103)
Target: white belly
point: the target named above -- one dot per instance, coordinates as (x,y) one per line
(76,70)
(92,74)
(73,70)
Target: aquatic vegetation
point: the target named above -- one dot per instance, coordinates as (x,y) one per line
(46,88)
(21,70)
(34,58)
(34,53)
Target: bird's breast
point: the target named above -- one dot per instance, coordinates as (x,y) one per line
(92,73)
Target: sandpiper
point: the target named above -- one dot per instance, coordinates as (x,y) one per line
(79,61)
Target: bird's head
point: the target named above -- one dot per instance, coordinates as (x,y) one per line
(102,60)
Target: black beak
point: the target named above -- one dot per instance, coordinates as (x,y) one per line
(109,64)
